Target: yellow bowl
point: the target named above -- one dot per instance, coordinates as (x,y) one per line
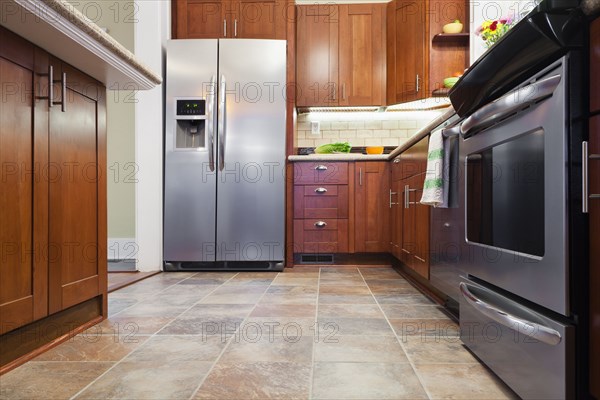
(453,27)
(374,149)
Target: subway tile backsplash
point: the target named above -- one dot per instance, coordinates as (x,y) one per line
(374,129)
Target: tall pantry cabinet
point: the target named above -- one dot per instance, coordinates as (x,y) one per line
(52,199)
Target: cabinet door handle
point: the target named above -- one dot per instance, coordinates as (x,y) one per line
(343,91)
(63,106)
(406,196)
(50,86)
(418,83)
(235,27)
(420,259)
(333,92)
(360,176)
(224,28)
(320,224)
(584,177)
(320,190)
(321,167)
(391,194)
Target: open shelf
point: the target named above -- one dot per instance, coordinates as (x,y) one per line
(452,37)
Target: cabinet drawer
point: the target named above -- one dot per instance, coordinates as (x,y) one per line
(309,202)
(321,235)
(306,173)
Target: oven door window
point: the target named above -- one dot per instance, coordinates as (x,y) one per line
(505,195)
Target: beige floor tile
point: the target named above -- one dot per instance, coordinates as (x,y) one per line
(189,290)
(300,273)
(127,328)
(219,310)
(284,310)
(205,280)
(257,381)
(342,281)
(92,347)
(392,283)
(437,350)
(284,327)
(383,349)
(148,380)
(403,288)
(268,348)
(152,310)
(350,311)
(116,305)
(49,380)
(248,281)
(441,327)
(257,274)
(235,295)
(380,273)
(366,381)
(346,298)
(335,326)
(222,326)
(287,280)
(405,311)
(173,349)
(462,381)
(290,295)
(418,299)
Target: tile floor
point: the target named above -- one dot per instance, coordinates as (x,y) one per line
(318,333)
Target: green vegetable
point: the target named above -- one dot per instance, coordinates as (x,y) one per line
(333,148)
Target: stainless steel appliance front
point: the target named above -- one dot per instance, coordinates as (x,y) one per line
(224,198)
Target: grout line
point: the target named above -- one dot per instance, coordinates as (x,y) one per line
(410,361)
(231,338)
(315,339)
(149,337)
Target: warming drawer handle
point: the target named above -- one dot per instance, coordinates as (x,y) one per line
(320,224)
(531,329)
(321,167)
(320,190)
(510,103)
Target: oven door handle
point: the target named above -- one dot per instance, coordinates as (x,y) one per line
(510,103)
(528,328)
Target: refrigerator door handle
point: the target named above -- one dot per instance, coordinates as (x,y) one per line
(222,123)
(211,123)
(528,328)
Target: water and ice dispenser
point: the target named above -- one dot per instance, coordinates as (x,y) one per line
(190,116)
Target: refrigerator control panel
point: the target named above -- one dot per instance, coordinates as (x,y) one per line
(191,107)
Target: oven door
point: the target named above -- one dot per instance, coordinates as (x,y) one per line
(515,166)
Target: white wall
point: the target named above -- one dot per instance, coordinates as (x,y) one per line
(151,31)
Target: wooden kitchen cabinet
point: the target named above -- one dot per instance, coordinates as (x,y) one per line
(418,57)
(406,69)
(371,202)
(409,234)
(595,65)
(215,19)
(362,54)
(53,202)
(340,55)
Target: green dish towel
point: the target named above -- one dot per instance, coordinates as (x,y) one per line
(435,188)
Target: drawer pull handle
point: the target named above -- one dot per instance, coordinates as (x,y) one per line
(320,190)
(420,259)
(321,167)
(320,224)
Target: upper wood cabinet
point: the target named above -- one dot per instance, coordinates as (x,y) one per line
(418,58)
(595,65)
(215,19)
(362,55)
(372,208)
(340,55)
(406,69)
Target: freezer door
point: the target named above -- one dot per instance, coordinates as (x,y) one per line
(530,352)
(190,173)
(252,122)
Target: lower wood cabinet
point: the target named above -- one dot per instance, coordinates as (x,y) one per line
(52,192)
(371,206)
(594,219)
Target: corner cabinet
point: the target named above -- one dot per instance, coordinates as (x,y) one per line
(340,55)
(419,57)
(244,19)
(53,199)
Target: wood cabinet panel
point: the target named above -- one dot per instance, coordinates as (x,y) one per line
(317,41)
(200,19)
(311,236)
(307,173)
(260,19)
(362,54)
(74,200)
(407,51)
(414,160)
(23,187)
(311,204)
(371,206)
(595,65)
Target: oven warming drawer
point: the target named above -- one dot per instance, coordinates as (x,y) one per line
(531,353)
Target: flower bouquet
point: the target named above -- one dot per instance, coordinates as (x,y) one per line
(492,31)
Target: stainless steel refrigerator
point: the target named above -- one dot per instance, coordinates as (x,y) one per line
(224,177)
